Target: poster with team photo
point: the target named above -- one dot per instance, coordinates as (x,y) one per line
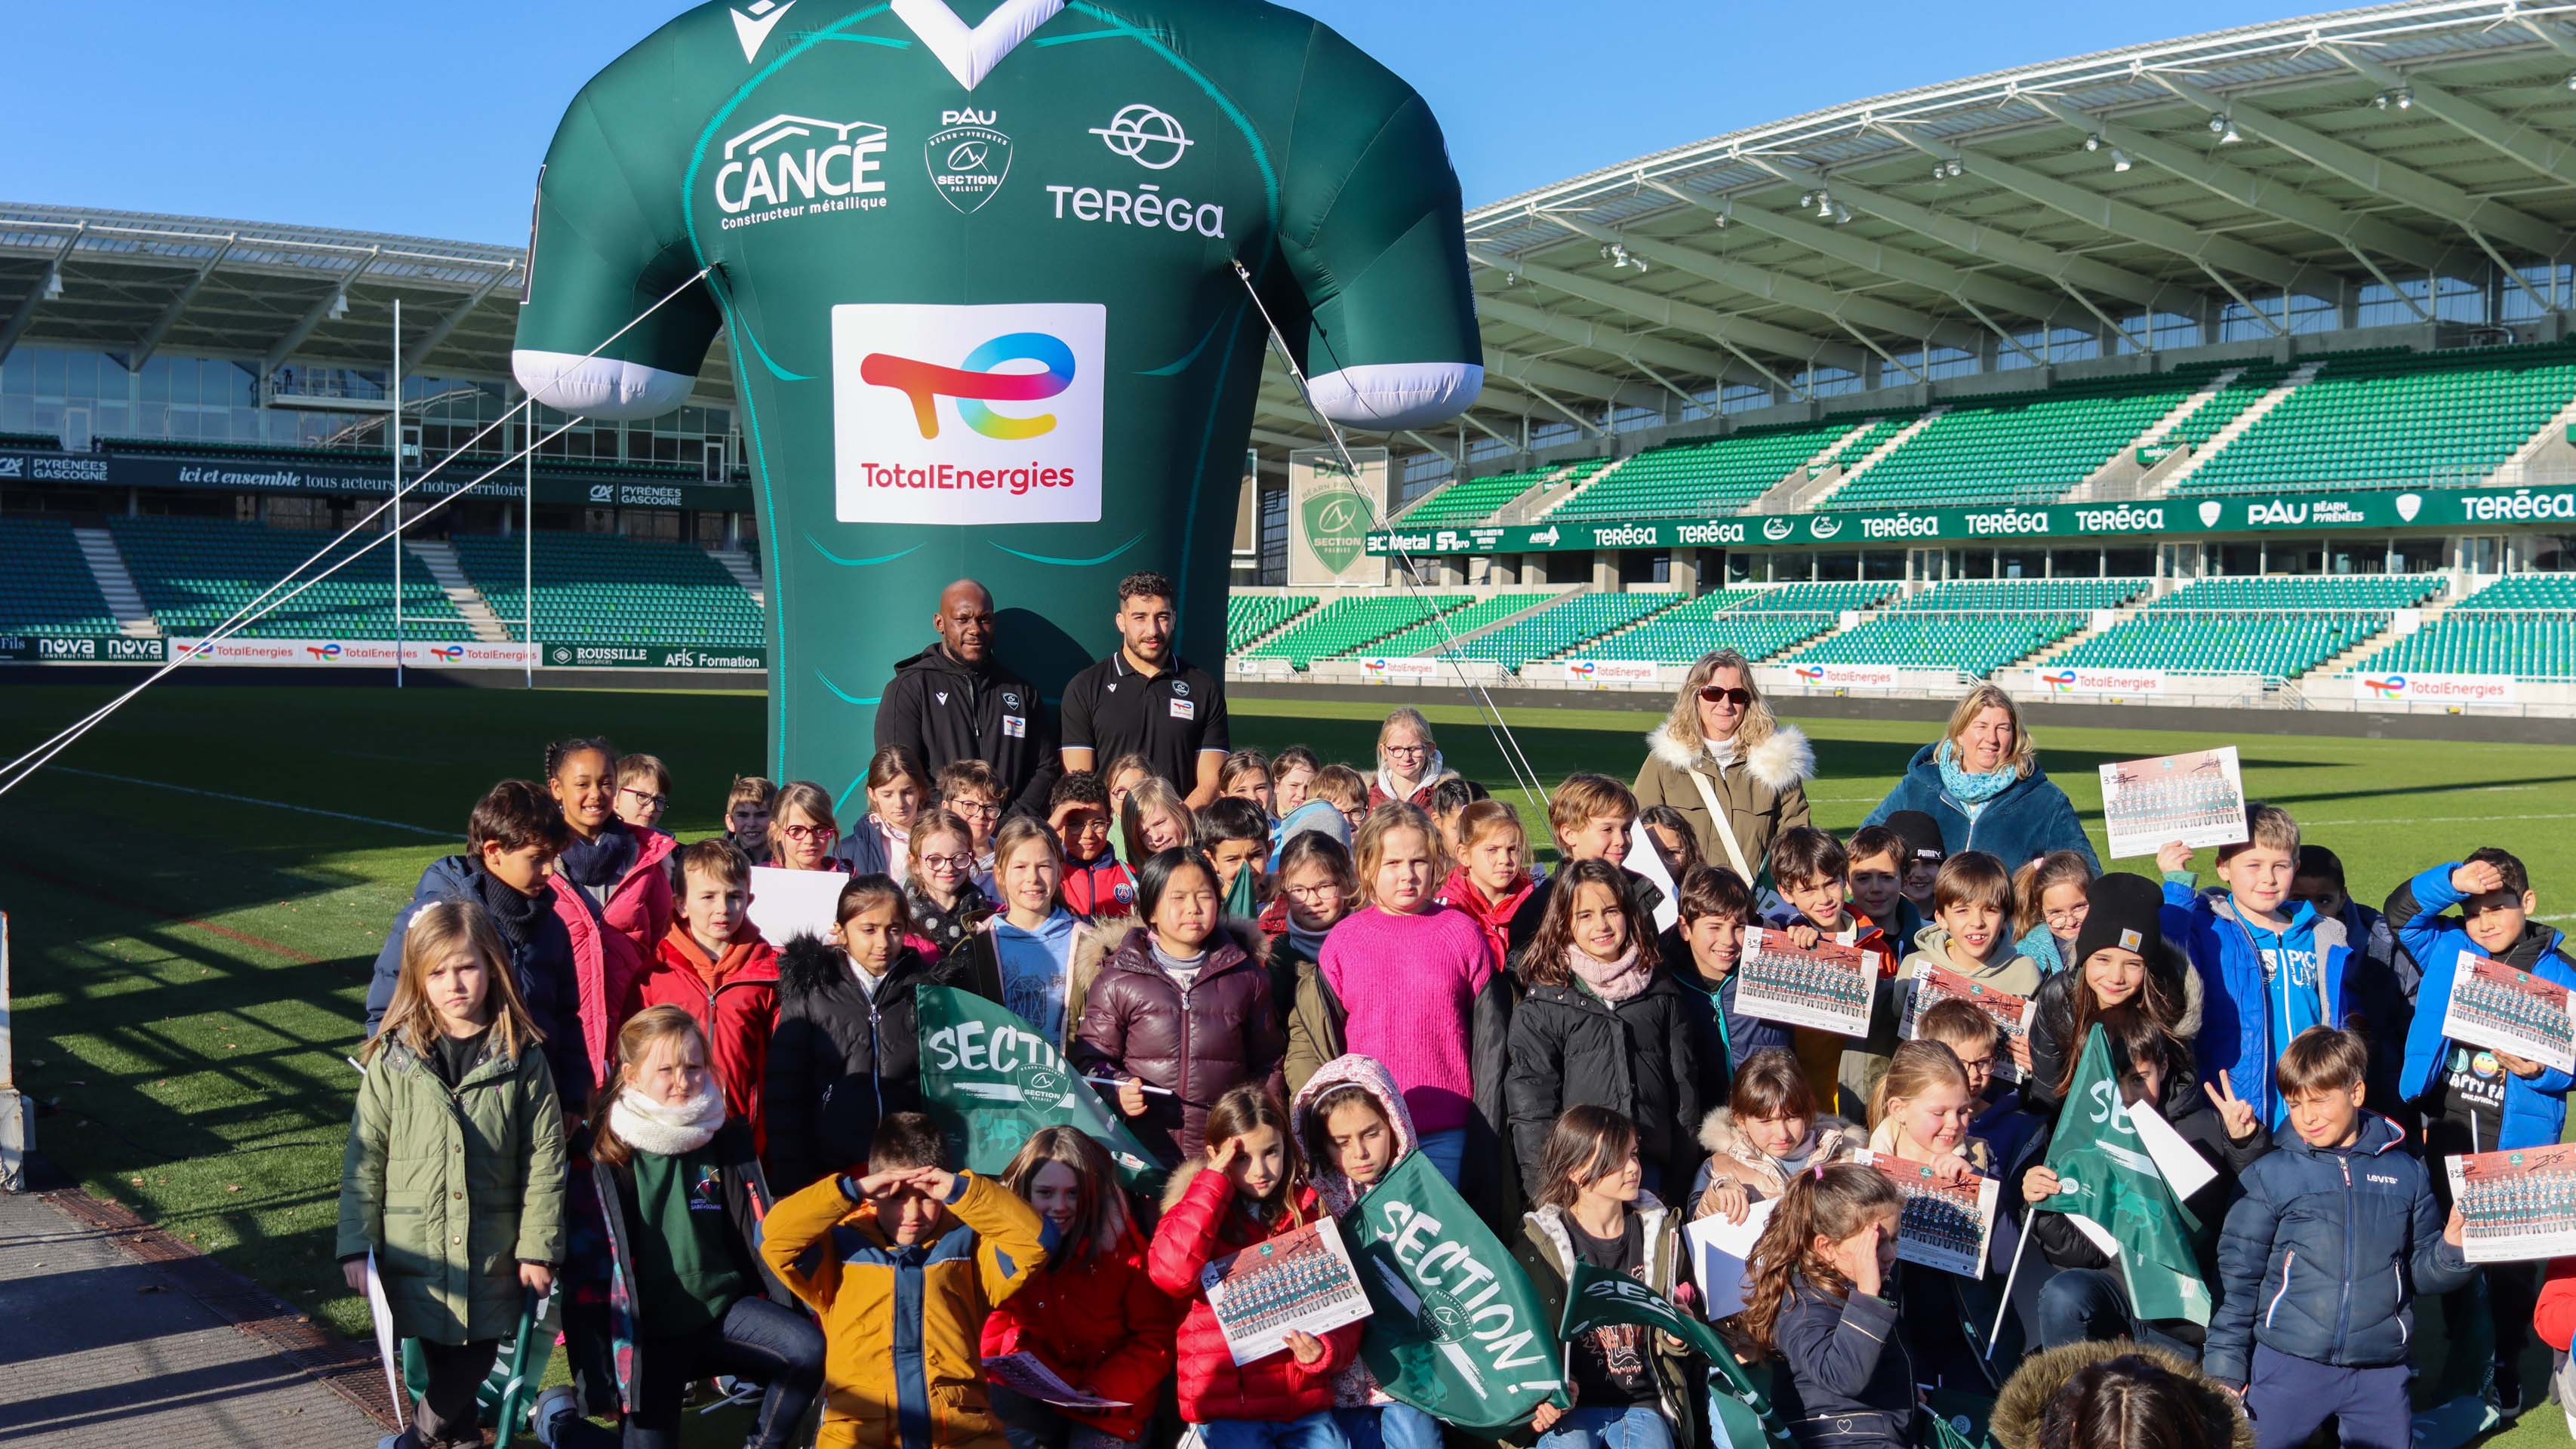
(1825,986)
(1300,1282)
(2198,799)
(1944,1225)
(2516,1205)
(1933,985)
(2495,1006)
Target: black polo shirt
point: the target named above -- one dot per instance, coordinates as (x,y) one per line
(1111,710)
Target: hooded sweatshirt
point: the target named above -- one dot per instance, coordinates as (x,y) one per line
(943,711)
(2263,987)
(1354,1387)
(1035,968)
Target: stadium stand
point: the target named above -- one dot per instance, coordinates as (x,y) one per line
(1819,598)
(1935,639)
(1346,626)
(1962,595)
(2390,418)
(1564,628)
(1707,475)
(2275,591)
(1471,499)
(2524,625)
(45,585)
(1428,636)
(2225,405)
(1249,616)
(194,573)
(606,588)
(2019,447)
(2277,627)
(1756,623)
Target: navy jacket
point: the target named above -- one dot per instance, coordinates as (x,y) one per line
(2028,820)
(549,981)
(2535,1110)
(1850,1383)
(2322,1257)
(1721,1036)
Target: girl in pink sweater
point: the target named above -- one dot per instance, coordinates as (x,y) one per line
(1418,988)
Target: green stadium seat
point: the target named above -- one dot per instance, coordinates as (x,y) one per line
(2524,625)
(2277,627)
(2026,447)
(196,573)
(45,585)
(1249,616)
(1350,625)
(1714,475)
(605,588)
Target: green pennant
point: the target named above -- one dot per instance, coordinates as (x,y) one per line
(2105,1174)
(1455,1330)
(989,1079)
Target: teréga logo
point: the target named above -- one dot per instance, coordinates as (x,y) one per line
(968,415)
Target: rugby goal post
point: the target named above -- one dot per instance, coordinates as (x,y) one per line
(17,1112)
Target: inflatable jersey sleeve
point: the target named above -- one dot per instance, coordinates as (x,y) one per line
(599,255)
(1376,246)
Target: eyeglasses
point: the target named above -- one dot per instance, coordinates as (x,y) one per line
(1404,749)
(1978,1064)
(642,798)
(949,862)
(823,833)
(1313,894)
(977,808)
(2067,915)
(1718,694)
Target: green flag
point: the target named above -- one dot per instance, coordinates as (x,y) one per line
(989,1079)
(1594,1299)
(1455,1328)
(2106,1177)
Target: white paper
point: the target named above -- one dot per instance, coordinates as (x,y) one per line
(1301,1281)
(1943,1225)
(2196,798)
(2100,1235)
(2495,1006)
(787,903)
(1643,859)
(2516,1205)
(2185,1170)
(386,1350)
(1719,1252)
(1028,1374)
(1829,987)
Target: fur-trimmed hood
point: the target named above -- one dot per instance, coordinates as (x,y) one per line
(2026,1395)
(810,966)
(1779,762)
(1836,1138)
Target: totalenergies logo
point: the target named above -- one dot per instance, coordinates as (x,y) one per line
(1581,669)
(977,383)
(1375,667)
(451,653)
(323,651)
(2062,681)
(1811,673)
(2393,687)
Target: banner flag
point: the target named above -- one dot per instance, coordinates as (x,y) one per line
(989,1079)
(1457,1330)
(2108,1179)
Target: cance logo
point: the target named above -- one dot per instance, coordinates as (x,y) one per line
(795,160)
(976,383)
(1146,136)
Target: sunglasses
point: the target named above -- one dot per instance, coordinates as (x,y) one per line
(1716,694)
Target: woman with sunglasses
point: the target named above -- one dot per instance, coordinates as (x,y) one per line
(1738,776)
(1408,762)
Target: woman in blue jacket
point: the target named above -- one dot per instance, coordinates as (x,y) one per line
(1983,783)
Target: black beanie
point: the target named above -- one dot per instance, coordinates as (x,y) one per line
(1920,832)
(2120,910)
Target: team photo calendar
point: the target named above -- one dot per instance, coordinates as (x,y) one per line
(2198,799)
(1826,986)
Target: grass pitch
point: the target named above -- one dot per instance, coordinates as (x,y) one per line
(196,892)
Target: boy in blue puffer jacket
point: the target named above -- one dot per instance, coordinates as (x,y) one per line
(2270,966)
(2472,1098)
(2321,1259)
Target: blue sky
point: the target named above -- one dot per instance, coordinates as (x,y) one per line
(431,119)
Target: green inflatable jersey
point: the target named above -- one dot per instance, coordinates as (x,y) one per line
(976,272)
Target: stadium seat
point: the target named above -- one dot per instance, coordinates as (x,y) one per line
(1249,616)
(195,573)
(1469,500)
(1565,628)
(2524,625)
(1348,626)
(2277,627)
(45,584)
(2027,447)
(1428,637)
(605,588)
(1979,643)
(1710,475)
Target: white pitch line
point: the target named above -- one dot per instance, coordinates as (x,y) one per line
(255,800)
(2438,819)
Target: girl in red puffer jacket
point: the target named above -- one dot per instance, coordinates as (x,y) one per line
(1248,1188)
(1091,1314)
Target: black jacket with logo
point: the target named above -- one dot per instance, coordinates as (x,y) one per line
(943,711)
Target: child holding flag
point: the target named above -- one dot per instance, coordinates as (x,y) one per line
(1351,1120)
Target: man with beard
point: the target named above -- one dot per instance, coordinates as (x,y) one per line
(1147,700)
(955,701)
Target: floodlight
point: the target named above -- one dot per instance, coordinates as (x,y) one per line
(1954,168)
(2093,143)
(2380,100)
(2228,137)
(1806,199)
(2405,99)
(339,305)
(54,285)
(2119,159)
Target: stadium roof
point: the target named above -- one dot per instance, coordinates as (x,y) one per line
(2315,157)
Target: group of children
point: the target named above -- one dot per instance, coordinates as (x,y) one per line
(586,1062)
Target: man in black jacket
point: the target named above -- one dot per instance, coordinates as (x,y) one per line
(954,700)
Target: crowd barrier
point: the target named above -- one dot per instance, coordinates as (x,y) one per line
(320,653)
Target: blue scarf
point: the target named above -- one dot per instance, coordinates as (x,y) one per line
(2040,945)
(1970,789)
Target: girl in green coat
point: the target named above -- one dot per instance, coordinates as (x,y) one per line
(454,1178)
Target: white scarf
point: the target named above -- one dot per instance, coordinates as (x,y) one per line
(664,1131)
(1432,769)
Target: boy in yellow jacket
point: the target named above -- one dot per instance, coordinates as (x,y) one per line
(909,1241)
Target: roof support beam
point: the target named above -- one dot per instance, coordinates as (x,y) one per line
(2266,194)
(1478,424)
(1636,349)
(1733,332)
(169,318)
(2077,275)
(1579,420)
(1891,262)
(2522,142)
(1564,377)
(418,352)
(1850,309)
(312,318)
(16,326)
(1434,447)
(2121,218)
(1281,440)
(2474,214)
(2557,39)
